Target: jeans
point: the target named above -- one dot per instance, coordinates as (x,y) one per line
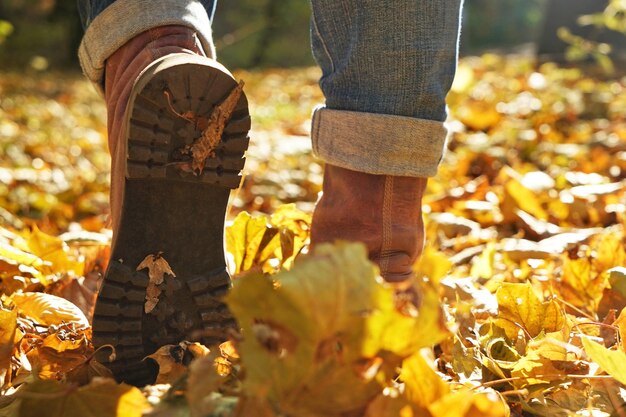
(90,9)
(387,67)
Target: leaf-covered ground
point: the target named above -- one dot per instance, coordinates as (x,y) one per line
(524,274)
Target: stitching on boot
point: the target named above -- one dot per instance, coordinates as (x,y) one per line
(386,233)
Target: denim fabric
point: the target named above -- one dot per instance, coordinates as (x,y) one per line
(392,57)
(122,20)
(89,9)
(387,67)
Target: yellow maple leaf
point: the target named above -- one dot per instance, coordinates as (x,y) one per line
(538,365)
(250,242)
(582,286)
(323,326)
(51,249)
(521,309)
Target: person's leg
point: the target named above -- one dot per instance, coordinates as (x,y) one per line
(109,24)
(88,10)
(177,130)
(386,70)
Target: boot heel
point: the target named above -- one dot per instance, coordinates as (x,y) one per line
(171,103)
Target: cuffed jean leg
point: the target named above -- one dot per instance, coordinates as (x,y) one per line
(387,67)
(109,24)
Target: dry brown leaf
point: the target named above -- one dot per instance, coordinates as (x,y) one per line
(170,364)
(157,268)
(212,128)
(174,359)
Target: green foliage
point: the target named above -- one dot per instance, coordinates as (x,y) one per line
(500,23)
(251,33)
(580,49)
(613,17)
(44,32)
(5,30)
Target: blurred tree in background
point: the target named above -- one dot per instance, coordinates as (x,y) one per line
(48,29)
(586,30)
(597,21)
(253,33)
(497,24)
(262,33)
(5,30)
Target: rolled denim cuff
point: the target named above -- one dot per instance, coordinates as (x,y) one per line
(125,19)
(379,144)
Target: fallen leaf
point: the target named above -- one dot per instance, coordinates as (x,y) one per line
(8,324)
(482,267)
(519,197)
(170,361)
(521,309)
(48,309)
(157,268)
(245,239)
(582,286)
(101,398)
(611,361)
(212,128)
(422,384)
(609,252)
(51,249)
(466,403)
(315,330)
(75,291)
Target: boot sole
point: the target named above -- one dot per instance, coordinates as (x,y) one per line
(174,212)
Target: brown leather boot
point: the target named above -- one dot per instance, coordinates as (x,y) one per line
(382,211)
(177,124)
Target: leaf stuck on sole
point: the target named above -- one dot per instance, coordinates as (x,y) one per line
(212,128)
(157,268)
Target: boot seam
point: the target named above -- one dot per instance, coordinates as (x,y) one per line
(387,224)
